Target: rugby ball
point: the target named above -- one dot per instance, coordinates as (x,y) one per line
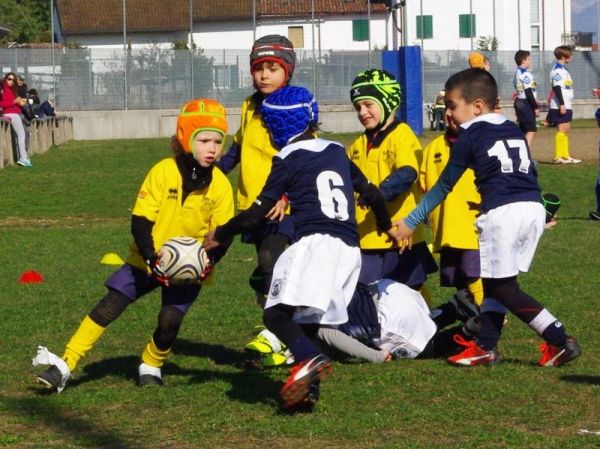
(182,260)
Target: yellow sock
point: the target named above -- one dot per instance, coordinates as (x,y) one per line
(476,289)
(426,294)
(153,356)
(561,146)
(82,341)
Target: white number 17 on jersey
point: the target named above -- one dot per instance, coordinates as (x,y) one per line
(500,150)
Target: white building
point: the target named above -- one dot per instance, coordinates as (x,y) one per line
(516,24)
(319,25)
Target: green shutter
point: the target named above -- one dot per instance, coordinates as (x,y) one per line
(360,30)
(466,25)
(424,27)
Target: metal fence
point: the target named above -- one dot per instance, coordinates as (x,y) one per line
(153,78)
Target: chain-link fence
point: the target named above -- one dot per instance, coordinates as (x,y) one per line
(153,78)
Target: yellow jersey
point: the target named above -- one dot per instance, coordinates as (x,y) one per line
(399,148)
(257,153)
(453,221)
(160,200)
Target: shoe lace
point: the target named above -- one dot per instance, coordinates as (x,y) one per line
(471,347)
(459,339)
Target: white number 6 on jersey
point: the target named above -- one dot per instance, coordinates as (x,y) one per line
(334,203)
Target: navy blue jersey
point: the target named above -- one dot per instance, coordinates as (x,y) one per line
(317,177)
(496,149)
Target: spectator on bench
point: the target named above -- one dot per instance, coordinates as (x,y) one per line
(46,109)
(11,104)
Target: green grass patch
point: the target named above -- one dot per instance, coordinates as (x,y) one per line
(60,217)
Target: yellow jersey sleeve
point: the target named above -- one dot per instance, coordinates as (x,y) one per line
(257,153)
(452,222)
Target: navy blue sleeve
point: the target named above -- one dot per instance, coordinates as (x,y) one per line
(436,195)
(246,221)
(277,181)
(230,159)
(397,183)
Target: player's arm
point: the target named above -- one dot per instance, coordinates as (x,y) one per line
(255,215)
(372,197)
(448,179)
(398,182)
(531,98)
(558,93)
(351,346)
(145,212)
(246,221)
(141,229)
(222,213)
(231,158)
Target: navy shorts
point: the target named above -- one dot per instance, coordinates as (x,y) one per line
(135,283)
(554,116)
(525,115)
(410,268)
(458,267)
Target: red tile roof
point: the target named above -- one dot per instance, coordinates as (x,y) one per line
(106,16)
(322,7)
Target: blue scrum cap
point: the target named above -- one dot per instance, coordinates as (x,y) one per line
(288,113)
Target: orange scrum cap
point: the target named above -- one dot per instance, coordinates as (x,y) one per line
(200,114)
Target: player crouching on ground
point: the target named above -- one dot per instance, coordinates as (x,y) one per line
(314,279)
(181,196)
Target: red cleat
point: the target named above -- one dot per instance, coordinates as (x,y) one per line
(302,375)
(473,354)
(556,356)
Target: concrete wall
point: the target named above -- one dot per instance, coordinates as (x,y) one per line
(135,124)
(97,125)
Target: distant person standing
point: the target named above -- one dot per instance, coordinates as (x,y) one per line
(561,105)
(11,104)
(526,106)
(595,215)
(480,61)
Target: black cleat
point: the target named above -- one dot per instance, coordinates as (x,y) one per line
(148,380)
(51,378)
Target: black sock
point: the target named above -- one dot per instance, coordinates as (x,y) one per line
(491,327)
(278,320)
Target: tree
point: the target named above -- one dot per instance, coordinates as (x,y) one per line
(29,20)
(487,43)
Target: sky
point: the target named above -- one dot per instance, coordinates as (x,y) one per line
(584,16)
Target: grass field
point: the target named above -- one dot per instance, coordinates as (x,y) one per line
(60,217)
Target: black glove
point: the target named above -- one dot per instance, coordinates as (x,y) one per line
(157,272)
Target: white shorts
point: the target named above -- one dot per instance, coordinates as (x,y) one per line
(318,274)
(508,237)
(403,314)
